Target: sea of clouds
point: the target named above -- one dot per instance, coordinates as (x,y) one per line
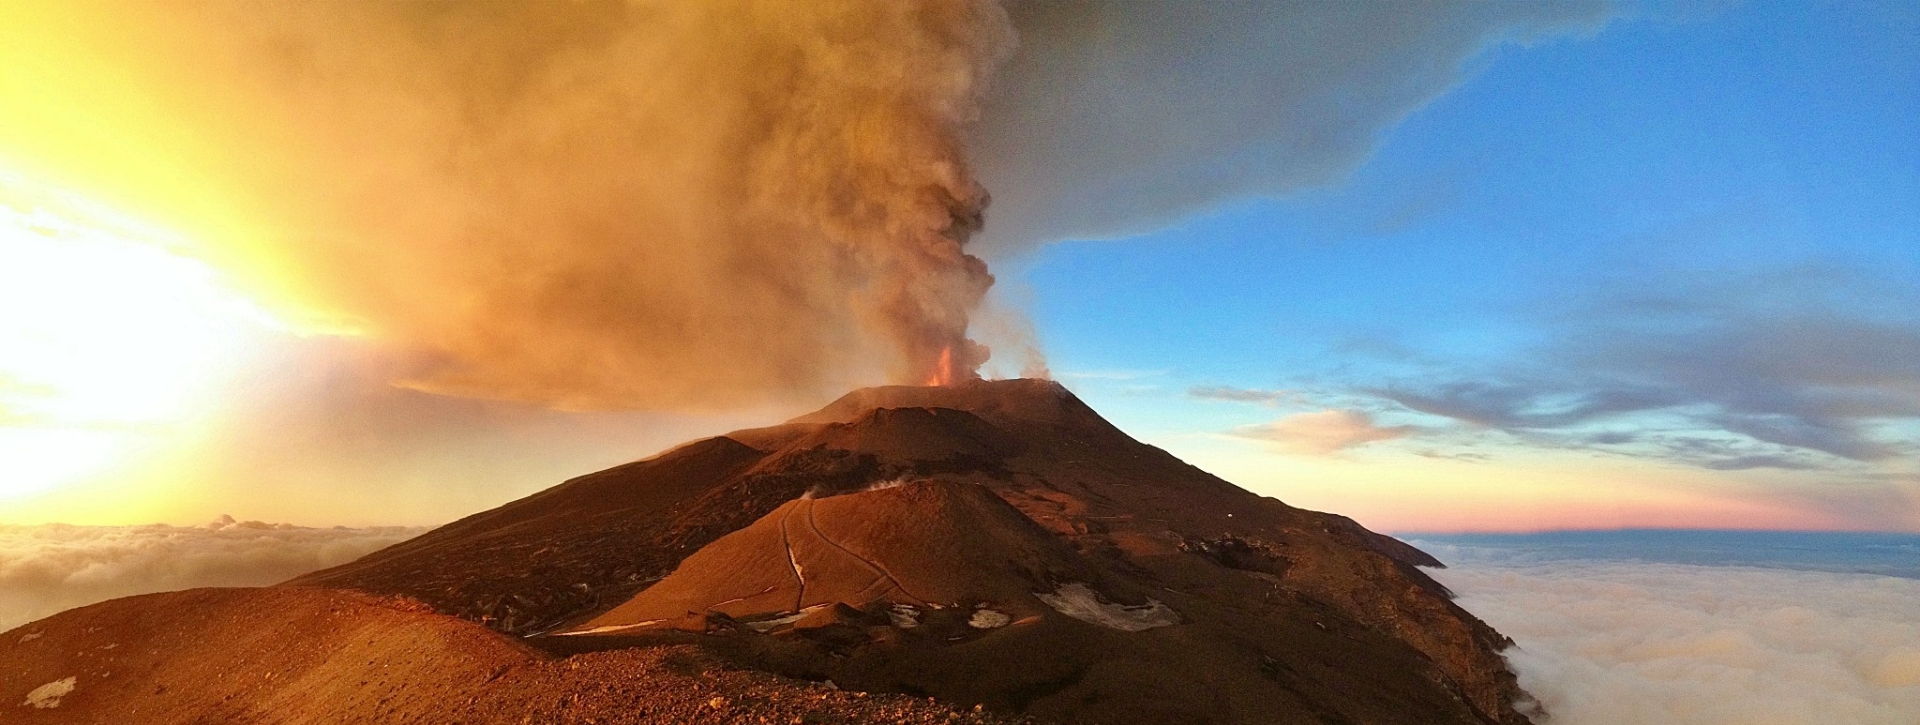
(1606,640)
(48,568)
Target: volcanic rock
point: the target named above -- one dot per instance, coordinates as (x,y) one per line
(922,544)
(305,655)
(992,543)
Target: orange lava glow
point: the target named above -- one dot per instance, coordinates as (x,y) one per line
(943,372)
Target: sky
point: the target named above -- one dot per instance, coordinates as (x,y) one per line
(1477,268)
(1665,274)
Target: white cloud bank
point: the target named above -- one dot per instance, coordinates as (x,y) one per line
(48,568)
(1629,643)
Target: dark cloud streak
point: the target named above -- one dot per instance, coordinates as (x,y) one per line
(1734,374)
(1242,395)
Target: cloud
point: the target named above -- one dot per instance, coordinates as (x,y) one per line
(1814,371)
(1619,643)
(1743,463)
(1523,404)
(48,568)
(1242,395)
(1115,117)
(1322,433)
(1467,456)
(1112,375)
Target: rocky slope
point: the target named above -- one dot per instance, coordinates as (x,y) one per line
(1262,612)
(302,655)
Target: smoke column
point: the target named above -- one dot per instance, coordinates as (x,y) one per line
(654,203)
(668,204)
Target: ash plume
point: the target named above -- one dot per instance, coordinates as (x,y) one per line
(675,205)
(1120,117)
(586,205)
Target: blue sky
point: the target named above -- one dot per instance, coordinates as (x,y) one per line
(1688,227)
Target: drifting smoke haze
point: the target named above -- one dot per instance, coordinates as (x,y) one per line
(48,568)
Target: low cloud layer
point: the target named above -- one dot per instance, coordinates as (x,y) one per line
(1624,643)
(53,567)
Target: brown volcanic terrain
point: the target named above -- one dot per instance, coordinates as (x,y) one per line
(302,655)
(987,542)
(916,545)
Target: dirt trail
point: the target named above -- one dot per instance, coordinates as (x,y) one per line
(877,568)
(793,562)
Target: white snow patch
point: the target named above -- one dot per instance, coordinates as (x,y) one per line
(884,485)
(765,625)
(1079,601)
(605,628)
(48,695)
(985,618)
(904,616)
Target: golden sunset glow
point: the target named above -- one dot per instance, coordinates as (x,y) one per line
(110,336)
(1521,491)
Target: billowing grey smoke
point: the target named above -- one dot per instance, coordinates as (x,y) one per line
(1120,116)
(672,205)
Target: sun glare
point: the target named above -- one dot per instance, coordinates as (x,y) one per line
(109,336)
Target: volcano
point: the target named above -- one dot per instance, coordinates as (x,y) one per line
(996,546)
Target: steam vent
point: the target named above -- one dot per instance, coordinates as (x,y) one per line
(975,552)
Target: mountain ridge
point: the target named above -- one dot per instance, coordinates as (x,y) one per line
(995,546)
(560,558)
